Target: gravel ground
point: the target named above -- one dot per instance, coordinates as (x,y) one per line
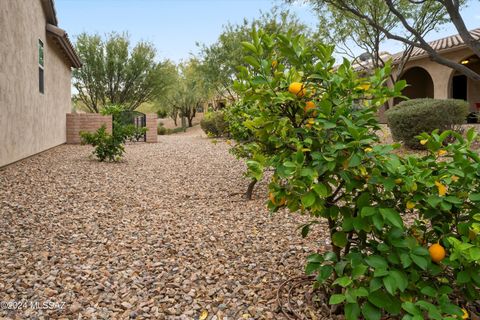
(169,124)
(165,234)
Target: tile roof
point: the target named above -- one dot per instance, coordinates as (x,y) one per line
(59,34)
(62,38)
(440,45)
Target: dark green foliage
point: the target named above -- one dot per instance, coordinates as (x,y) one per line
(410,118)
(134,133)
(161,130)
(162,114)
(107,146)
(214,124)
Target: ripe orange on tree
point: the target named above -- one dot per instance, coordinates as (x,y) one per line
(437,252)
(297,88)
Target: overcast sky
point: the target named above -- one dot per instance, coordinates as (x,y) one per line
(174,26)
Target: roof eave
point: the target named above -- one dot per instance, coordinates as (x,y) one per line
(62,38)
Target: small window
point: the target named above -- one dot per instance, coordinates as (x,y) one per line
(41,68)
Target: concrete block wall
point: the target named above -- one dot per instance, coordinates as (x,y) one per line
(152,127)
(78,122)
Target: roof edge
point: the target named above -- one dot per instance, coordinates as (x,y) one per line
(50,12)
(62,37)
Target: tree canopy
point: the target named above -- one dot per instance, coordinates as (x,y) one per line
(114,73)
(220,61)
(406,21)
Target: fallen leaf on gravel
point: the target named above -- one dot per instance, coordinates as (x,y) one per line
(204,315)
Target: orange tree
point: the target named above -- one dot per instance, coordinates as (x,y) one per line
(314,123)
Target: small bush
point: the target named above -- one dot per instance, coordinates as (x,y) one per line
(161,130)
(410,118)
(133,133)
(107,146)
(214,124)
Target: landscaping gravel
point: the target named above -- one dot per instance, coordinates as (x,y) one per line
(165,234)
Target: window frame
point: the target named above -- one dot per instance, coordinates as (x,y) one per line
(41,66)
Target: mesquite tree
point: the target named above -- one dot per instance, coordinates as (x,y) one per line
(115,73)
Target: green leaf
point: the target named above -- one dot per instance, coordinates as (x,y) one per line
(375,284)
(336,298)
(370,312)
(258,80)
(321,189)
(363,200)
(305,230)
(249,46)
(343,281)
(352,311)
(400,278)
(339,239)
(325,272)
(463,277)
(377,221)
(475,197)
(355,160)
(434,200)
(368,211)
(420,251)
(315,257)
(390,284)
(392,216)
(308,199)
(252,61)
(359,270)
(311,267)
(378,299)
(429,291)
(420,261)
(411,308)
(376,261)
(405,259)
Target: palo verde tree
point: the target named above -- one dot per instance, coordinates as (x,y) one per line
(190,90)
(413,19)
(114,73)
(316,125)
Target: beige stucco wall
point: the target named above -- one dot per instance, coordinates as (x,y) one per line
(442,75)
(30,122)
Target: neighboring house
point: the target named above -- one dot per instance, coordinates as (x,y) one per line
(35,78)
(428,79)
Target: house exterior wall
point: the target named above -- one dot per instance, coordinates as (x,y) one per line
(30,122)
(442,75)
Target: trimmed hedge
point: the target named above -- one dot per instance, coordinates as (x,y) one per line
(214,124)
(412,117)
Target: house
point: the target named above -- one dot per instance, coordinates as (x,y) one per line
(35,79)
(428,79)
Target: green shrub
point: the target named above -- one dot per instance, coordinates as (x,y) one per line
(214,124)
(107,146)
(410,118)
(161,130)
(176,130)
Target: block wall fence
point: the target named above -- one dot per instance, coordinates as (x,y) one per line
(78,122)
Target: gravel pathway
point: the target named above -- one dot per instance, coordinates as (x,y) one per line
(163,235)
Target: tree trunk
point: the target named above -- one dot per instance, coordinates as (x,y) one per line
(249,192)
